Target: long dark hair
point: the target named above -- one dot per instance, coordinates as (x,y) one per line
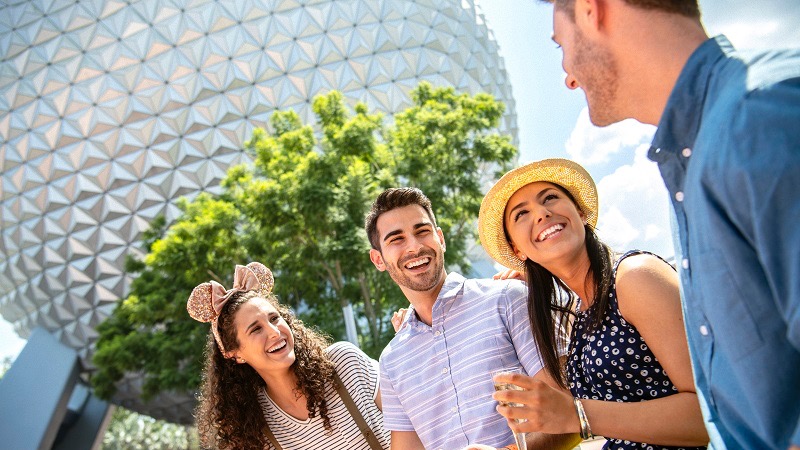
(551,304)
(229,415)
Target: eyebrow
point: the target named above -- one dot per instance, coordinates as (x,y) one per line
(416,227)
(538,197)
(519,205)
(247,330)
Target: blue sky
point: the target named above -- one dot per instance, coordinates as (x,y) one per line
(553,121)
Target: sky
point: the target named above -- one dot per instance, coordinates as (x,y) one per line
(553,121)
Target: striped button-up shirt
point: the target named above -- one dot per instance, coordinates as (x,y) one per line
(435,380)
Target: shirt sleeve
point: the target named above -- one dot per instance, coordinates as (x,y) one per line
(519,327)
(394,417)
(768,135)
(764,198)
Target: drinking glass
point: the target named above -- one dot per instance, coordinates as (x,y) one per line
(519,438)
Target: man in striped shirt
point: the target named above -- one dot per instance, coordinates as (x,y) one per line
(435,384)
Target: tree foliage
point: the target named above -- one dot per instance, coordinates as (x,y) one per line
(131,431)
(299,208)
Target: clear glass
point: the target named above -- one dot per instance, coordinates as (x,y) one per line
(519,438)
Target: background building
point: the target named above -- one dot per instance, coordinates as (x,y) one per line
(111,110)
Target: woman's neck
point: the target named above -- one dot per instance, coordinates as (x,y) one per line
(284,392)
(576,274)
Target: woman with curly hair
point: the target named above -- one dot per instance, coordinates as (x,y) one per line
(272,383)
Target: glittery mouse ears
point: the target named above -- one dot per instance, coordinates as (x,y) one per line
(208,299)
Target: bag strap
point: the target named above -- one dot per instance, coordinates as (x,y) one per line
(271,437)
(369,435)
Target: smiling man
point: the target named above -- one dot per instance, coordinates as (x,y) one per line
(435,384)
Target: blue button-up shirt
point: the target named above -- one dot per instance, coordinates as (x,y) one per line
(435,380)
(728,147)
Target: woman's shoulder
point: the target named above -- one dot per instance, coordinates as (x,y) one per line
(639,265)
(344,352)
(643,282)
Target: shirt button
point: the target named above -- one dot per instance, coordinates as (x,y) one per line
(445,370)
(685,263)
(687,152)
(679,196)
(437,333)
(704,330)
(454,409)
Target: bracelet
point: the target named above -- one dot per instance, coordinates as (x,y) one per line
(586,430)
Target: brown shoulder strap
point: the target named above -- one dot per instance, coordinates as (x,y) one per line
(372,440)
(271,437)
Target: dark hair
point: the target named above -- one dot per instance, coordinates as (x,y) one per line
(390,199)
(688,8)
(229,415)
(551,303)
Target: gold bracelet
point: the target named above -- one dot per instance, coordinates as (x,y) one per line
(586,430)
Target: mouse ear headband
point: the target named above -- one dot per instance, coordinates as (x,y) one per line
(207,299)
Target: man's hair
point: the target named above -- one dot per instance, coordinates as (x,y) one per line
(390,199)
(688,8)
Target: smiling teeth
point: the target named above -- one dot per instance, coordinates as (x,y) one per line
(546,233)
(277,347)
(418,263)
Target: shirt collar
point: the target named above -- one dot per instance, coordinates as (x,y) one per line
(450,289)
(682,116)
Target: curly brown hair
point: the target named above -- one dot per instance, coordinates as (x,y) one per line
(229,415)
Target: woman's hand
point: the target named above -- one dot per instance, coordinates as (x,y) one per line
(509,274)
(545,409)
(397,318)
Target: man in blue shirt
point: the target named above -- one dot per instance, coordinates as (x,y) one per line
(728,147)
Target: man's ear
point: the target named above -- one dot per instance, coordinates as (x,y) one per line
(377,259)
(590,14)
(441,238)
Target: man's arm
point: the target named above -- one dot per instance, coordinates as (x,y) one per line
(406,440)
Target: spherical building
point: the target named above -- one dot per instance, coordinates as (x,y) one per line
(111,110)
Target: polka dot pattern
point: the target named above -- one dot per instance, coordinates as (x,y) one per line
(613,363)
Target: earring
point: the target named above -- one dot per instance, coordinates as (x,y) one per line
(242,361)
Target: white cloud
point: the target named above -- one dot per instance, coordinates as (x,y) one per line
(591,145)
(751,25)
(634,207)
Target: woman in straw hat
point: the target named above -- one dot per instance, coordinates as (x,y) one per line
(627,368)
(272,383)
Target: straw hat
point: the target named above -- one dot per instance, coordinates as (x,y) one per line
(565,173)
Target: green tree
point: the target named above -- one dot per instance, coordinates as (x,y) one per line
(299,208)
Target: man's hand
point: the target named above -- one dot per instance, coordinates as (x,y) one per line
(509,274)
(397,318)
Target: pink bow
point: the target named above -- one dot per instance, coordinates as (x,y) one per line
(207,299)
(244,280)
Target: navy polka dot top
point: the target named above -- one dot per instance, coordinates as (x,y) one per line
(613,363)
